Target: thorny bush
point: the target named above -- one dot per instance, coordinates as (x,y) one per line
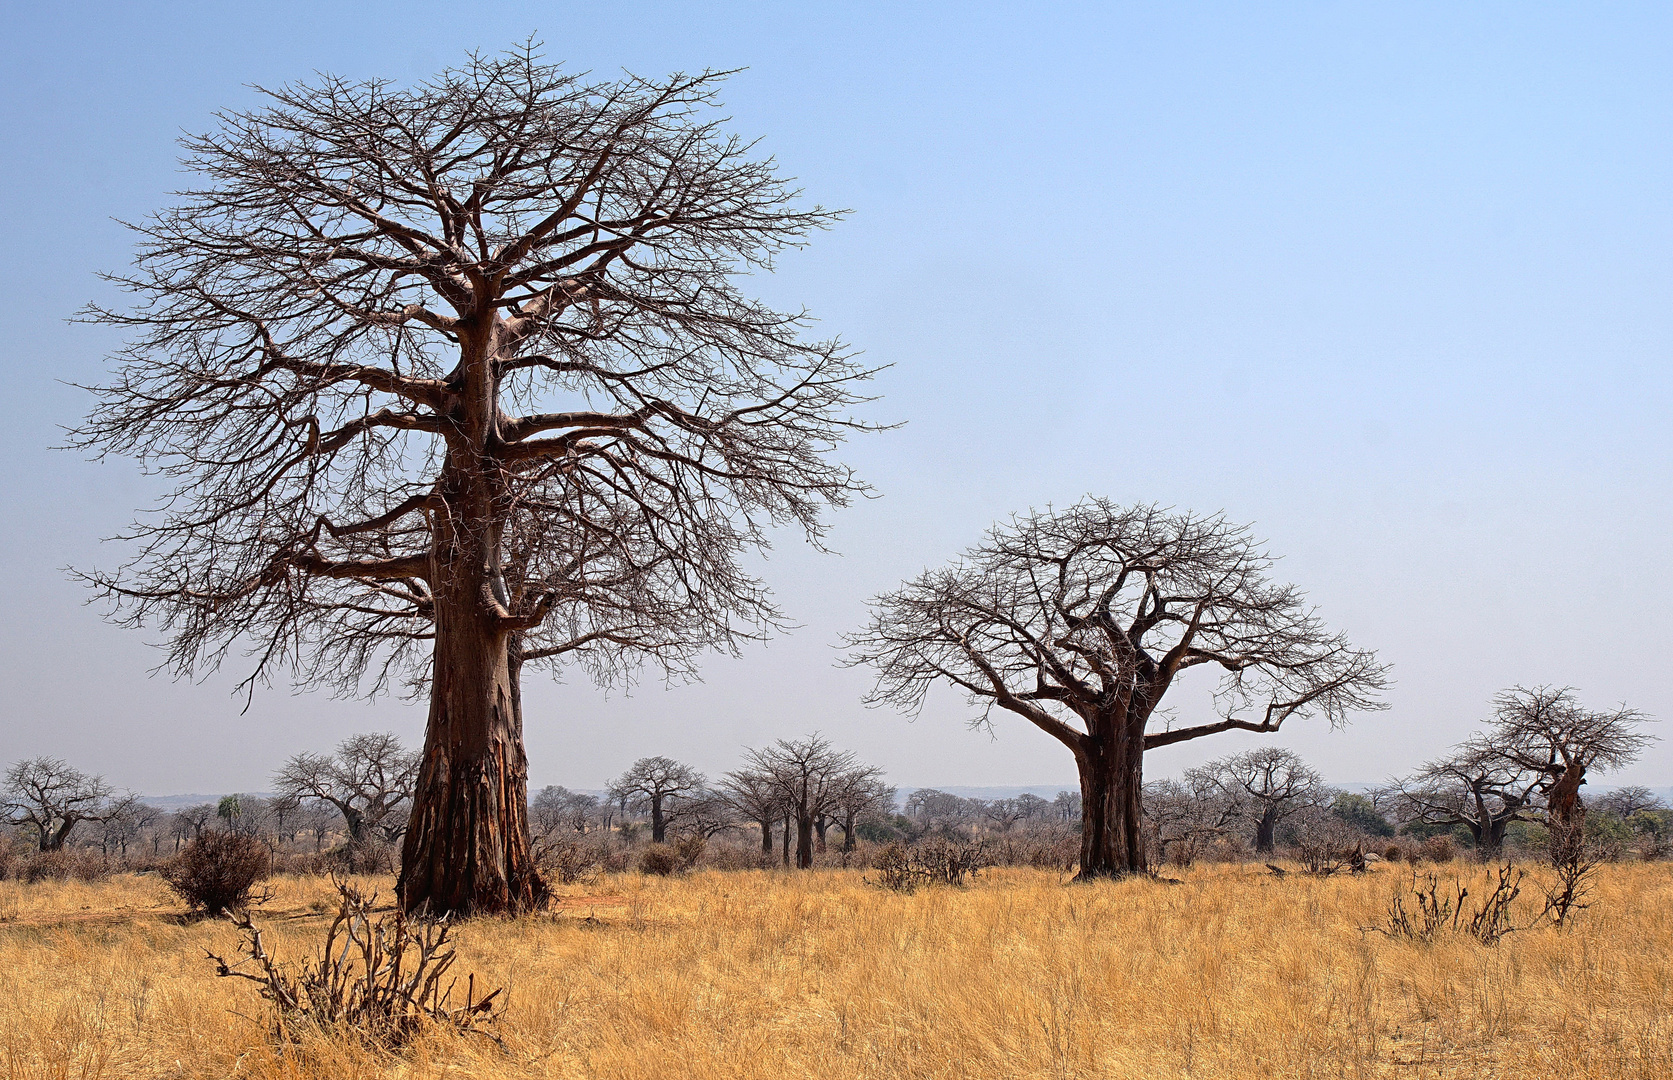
(1440,910)
(379,979)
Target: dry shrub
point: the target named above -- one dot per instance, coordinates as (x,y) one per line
(1394,853)
(658,859)
(62,865)
(734,857)
(1437,849)
(937,861)
(615,860)
(568,862)
(1439,910)
(689,849)
(1042,849)
(378,979)
(218,872)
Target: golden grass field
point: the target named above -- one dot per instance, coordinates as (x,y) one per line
(1232,973)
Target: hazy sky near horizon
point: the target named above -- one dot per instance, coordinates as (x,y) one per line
(1390,282)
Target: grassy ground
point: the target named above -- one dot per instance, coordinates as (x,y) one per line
(1232,973)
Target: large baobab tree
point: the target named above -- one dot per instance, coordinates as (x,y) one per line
(655,784)
(1546,732)
(455,378)
(1475,786)
(50,798)
(1267,784)
(369,779)
(1082,620)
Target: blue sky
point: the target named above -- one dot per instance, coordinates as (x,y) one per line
(1390,282)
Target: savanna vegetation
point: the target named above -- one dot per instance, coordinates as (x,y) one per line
(457,383)
(1234,972)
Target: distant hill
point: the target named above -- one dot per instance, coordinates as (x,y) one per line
(175,802)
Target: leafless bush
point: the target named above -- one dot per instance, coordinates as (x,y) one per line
(936,861)
(734,857)
(1575,868)
(65,864)
(218,872)
(1438,910)
(658,859)
(688,850)
(568,862)
(1437,849)
(380,979)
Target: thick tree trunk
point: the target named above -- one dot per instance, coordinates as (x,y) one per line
(1111,783)
(1266,830)
(804,842)
(659,824)
(766,838)
(820,824)
(467,844)
(787,832)
(1490,838)
(1566,815)
(848,832)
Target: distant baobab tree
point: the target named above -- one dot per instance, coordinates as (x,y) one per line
(1081,621)
(655,784)
(1545,731)
(1267,785)
(369,779)
(1476,786)
(50,797)
(455,378)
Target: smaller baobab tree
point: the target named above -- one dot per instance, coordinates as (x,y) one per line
(50,798)
(755,797)
(1475,786)
(654,784)
(1267,784)
(1545,731)
(859,791)
(807,774)
(369,779)
(1082,620)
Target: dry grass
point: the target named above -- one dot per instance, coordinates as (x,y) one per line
(1233,973)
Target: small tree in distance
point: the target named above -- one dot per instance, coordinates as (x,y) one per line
(654,783)
(369,779)
(1546,732)
(1268,784)
(1081,621)
(1475,786)
(809,775)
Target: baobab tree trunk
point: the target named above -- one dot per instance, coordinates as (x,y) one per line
(1566,814)
(467,844)
(766,838)
(1111,765)
(787,831)
(848,832)
(1266,831)
(804,842)
(659,824)
(819,826)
